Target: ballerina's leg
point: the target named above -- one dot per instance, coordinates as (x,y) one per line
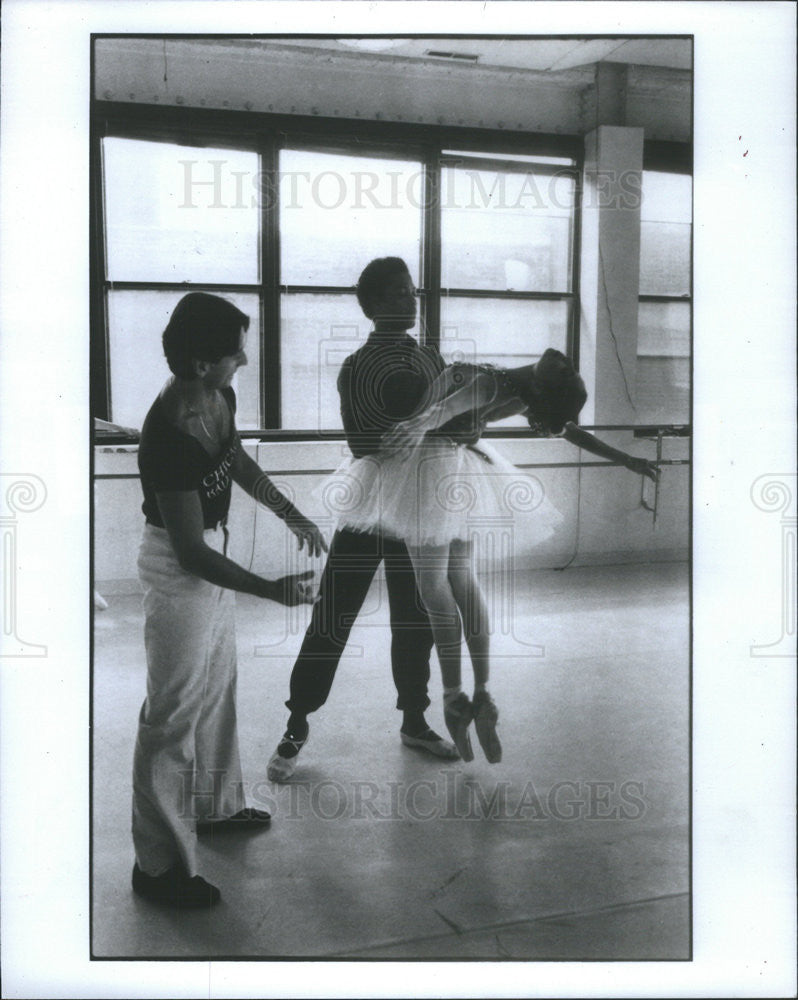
(431,566)
(473,607)
(470,599)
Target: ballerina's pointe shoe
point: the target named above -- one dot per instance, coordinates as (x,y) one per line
(458,715)
(486,715)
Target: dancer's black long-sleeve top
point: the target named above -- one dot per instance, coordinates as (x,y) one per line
(386,380)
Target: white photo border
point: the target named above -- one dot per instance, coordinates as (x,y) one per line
(744,419)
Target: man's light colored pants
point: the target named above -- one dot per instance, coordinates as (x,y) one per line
(186,765)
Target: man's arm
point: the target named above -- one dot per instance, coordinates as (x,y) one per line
(354,435)
(507,408)
(254,481)
(182,516)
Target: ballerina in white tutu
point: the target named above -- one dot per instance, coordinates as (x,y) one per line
(413,489)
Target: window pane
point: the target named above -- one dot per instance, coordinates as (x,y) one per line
(318,333)
(501,332)
(505,231)
(666,197)
(663,329)
(136,322)
(664,258)
(665,233)
(663,363)
(179,213)
(339,212)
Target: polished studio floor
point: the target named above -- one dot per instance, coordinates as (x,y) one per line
(575,846)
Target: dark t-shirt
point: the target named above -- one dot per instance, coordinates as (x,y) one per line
(387,380)
(171,460)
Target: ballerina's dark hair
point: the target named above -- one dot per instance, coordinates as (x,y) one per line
(554,399)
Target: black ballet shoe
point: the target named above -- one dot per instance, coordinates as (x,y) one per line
(175,888)
(245,820)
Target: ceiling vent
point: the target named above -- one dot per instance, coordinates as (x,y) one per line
(457,56)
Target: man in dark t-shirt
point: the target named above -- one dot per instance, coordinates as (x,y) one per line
(186,767)
(170,459)
(386,380)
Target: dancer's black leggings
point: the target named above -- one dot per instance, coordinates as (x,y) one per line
(352,562)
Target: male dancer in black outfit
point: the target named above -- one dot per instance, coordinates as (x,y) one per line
(385,381)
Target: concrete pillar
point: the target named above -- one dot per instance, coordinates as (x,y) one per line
(611,89)
(610,273)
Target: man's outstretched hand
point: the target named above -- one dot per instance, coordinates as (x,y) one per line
(306,532)
(296,588)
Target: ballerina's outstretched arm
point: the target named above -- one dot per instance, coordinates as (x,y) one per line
(589,442)
(458,390)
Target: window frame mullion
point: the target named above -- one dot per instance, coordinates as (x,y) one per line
(271,306)
(100,375)
(575,311)
(431,249)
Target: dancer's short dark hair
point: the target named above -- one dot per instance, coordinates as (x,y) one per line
(202,327)
(374,279)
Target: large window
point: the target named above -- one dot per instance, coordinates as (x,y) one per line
(663,349)
(173,220)
(507,240)
(337,212)
(282,225)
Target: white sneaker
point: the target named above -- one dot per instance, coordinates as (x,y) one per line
(432,743)
(281,768)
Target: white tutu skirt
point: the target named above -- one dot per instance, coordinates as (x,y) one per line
(439,492)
